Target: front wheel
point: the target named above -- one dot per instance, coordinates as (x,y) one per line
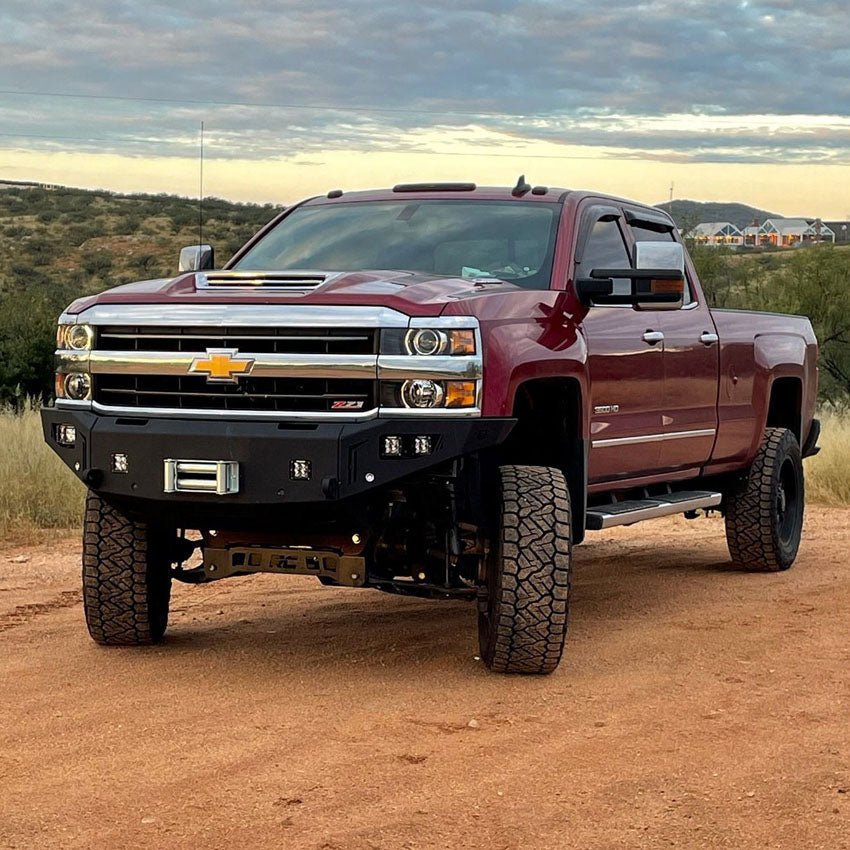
(764,513)
(126,576)
(522,622)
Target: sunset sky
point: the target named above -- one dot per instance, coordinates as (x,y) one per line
(745,101)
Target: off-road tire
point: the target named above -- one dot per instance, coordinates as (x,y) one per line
(126,577)
(764,513)
(522,620)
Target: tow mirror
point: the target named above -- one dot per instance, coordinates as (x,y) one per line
(656,283)
(195,258)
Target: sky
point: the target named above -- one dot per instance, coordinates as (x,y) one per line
(742,100)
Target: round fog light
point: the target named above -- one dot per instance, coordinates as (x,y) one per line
(422,393)
(78,386)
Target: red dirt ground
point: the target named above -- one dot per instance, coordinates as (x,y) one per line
(695,707)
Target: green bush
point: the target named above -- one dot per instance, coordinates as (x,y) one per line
(97,262)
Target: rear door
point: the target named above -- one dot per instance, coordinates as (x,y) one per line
(691,352)
(625,360)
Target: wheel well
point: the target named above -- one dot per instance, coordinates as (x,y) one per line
(549,433)
(786,404)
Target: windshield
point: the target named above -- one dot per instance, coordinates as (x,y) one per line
(511,241)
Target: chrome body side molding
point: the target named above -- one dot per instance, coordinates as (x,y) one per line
(652,438)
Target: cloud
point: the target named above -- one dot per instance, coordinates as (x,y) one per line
(658,78)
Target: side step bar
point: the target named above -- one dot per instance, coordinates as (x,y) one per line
(625,513)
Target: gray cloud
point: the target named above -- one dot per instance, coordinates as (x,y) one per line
(573,72)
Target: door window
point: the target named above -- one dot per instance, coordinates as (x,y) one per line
(606,249)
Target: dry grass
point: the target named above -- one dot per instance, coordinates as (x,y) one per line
(38,492)
(828,473)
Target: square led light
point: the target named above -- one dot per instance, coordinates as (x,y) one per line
(300,470)
(422,446)
(392,446)
(66,435)
(119,463)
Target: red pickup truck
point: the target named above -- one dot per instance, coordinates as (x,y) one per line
(432,390)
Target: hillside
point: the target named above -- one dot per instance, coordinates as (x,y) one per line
(687,213)
(93,240)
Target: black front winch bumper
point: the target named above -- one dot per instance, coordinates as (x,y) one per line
(258,457)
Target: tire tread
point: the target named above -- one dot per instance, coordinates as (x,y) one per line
(529,617)
(126,587)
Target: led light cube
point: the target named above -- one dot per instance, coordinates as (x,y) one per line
(422,446)
(66,435)
(392,446)
(300,470)
(119,463)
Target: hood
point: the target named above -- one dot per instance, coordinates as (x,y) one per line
(413,293)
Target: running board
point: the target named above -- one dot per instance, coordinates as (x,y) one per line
(625,513)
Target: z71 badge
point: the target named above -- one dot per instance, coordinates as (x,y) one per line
(347,405)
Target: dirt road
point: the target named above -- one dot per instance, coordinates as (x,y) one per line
(695,707)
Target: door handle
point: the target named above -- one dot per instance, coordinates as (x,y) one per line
(653,336)
(708,338)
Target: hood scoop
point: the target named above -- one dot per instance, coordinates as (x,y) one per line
(288,281)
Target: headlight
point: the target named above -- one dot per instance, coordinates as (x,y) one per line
(77,337)
(422,393)
(78,386)
(427,342)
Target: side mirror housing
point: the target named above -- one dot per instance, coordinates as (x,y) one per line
(656,283)
(196,258)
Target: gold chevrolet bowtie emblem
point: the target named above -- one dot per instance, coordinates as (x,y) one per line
(222,365)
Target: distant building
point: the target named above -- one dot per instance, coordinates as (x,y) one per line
(717,233)
(841,230)
(787,232)
(751,234)
(26,184)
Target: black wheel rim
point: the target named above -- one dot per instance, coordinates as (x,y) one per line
(787,501)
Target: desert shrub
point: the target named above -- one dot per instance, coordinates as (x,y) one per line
(97,262)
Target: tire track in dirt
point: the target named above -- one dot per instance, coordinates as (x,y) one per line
(22,614)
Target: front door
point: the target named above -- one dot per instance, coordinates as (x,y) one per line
(689,415)
(625,364)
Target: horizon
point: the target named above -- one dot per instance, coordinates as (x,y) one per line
(106,190)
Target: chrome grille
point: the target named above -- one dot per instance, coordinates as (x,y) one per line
(257,340)
(191,392)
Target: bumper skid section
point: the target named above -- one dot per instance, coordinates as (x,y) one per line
(344,459)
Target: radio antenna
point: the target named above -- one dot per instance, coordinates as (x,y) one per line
(201,193)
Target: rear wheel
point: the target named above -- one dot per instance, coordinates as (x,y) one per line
(126,576)
(522,621)
(764,514)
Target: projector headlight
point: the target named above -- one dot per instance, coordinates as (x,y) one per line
(428,342)
(76,337)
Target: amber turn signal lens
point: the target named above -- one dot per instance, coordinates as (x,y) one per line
(59,388)
(677,286)
(460,394)
(462,342)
